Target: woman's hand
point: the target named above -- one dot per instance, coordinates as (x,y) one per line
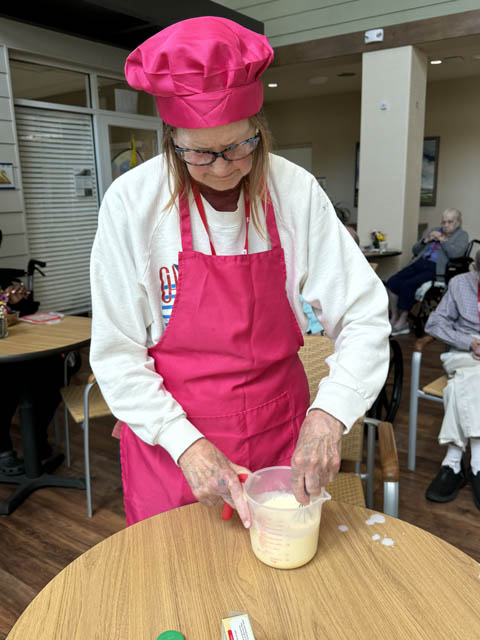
(212,477)
(434,236)
(475,347)
(316,459)
(16,293)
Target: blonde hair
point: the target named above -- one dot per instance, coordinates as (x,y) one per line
(255,183)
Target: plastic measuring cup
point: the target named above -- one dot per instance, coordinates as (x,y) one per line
(283,534)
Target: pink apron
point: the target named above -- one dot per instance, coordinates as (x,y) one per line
(229,357)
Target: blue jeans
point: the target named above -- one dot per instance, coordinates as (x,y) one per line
(405,282)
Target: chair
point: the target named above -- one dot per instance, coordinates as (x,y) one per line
(348,487)
(83,402)
(432,391)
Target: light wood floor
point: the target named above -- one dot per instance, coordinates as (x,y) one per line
(51,528)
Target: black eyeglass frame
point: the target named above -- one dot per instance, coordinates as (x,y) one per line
(218,154)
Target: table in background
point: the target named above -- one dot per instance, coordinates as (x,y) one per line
(185,569)
(27,341)
(389,253)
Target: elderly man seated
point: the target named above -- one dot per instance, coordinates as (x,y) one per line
(456,321)
(432,252)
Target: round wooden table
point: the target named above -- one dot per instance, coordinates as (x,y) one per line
(186,569)
(25,342)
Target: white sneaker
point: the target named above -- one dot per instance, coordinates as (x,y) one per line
(401,331)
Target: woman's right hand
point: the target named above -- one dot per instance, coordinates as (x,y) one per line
(433,236)
(213,477)
(475,347)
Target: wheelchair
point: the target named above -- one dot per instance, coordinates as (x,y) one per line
(10,276)
(386,405)
(29,305)
(429,294)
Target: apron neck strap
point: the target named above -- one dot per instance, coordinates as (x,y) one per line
(270,220)
(185,223)
(201,211)
(186,227)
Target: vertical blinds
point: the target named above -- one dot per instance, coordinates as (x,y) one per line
(61,203)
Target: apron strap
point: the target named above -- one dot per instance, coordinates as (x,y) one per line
(185,223)
(186,227)
(271,222)
(201,211)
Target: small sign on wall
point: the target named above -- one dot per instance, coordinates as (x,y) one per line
(6,176)
(84,183)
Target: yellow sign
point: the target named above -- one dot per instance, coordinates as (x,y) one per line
(6,175)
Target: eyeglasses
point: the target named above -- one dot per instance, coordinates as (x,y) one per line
(230,154)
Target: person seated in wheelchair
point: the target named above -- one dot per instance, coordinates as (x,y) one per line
(456,321)
(44,375)
(431,254)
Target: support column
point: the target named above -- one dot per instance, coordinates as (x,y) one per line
(391,144)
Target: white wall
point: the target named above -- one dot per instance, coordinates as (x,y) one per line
(331,124)
(299,155)
(453,113)
(288,22)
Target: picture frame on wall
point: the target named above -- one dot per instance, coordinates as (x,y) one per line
(428,191)
(6,176)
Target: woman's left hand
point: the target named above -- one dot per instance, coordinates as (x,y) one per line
(16,293)
(316,459)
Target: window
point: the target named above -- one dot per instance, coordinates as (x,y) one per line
(49,84)
(116,95)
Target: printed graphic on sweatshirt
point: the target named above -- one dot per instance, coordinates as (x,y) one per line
(168,282)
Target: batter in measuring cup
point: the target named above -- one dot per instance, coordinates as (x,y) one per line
(284,539)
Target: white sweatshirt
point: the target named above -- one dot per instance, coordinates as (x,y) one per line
(133,277)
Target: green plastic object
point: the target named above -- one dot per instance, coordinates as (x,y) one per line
(171,635)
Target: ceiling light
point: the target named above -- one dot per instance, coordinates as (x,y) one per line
(273,85)
(436,61)
(318,80)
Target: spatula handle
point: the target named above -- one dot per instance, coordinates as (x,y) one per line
(227,510)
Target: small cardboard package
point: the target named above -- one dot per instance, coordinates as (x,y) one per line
(237,626)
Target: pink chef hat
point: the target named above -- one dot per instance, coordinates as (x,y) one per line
(203,72)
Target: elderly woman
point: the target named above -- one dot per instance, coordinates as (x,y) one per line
(197,268)
(456,321)
(431,254)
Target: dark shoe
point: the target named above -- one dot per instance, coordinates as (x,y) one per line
(446,485)
(475,482)
(10,464)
